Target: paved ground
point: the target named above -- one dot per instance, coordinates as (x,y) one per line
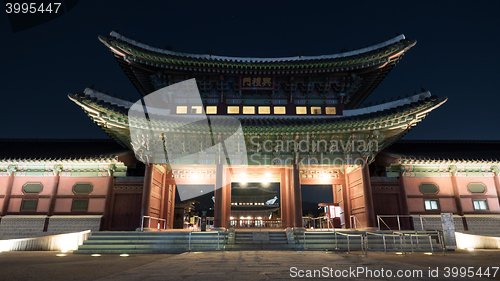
(249,265)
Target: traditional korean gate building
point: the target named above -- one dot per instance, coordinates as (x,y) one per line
(311,101)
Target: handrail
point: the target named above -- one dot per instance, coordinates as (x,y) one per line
(149,223)
(353,219)
(379,218)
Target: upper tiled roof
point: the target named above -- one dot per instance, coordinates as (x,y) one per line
(461,150)
(59,149)
(129,44)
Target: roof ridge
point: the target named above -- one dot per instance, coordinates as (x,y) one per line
(391,41)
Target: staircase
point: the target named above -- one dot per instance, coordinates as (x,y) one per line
(122,242)
(351,241)
(132,242)
(260,240)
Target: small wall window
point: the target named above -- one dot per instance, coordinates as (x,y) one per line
(248,110)
(315,110)
(82,188)
(331,110)
(476,188)
(301,110)
(431,204)
(279,110)
(29,205)
(196,109)
(79,205)
(233,110)
(264,110)
(429,188)
(212,109)
(32,188)
(182,109)
(480,205)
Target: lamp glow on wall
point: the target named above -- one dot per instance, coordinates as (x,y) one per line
(243,179)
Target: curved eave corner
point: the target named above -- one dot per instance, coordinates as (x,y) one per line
(95,115)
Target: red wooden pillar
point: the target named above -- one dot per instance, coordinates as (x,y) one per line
(8,193)
(367,195)
(346,200)
(287,202)
(218,194)
(106,218)
(226,194)
(297,195)
(497,184)
(169,199)
(456,194)
(146,192)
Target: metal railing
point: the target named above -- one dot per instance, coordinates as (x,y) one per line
(352,222)
(363,241)
(402,240)
(149,222)
(398,217)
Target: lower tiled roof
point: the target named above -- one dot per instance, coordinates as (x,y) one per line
(468,150)
(56,149)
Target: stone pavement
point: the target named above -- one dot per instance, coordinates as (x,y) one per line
(240,265)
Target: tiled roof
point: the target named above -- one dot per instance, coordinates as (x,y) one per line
(462,150)
(59,149)
(282,120)
(129,44)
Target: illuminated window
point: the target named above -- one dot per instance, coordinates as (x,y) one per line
(264,110)
(79,205)
(431,204)
(315,110)
(32,187)
(429,188)
(233,110)
(301,110)
(29,205)
(249,110)
(279,110)
(212,109)
(182,109)
(331,110)
(196,109)
(82,188)
(476,188)
(480,205)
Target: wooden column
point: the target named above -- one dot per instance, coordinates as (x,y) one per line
(346,201)
(456,193)
(404,202)
(287,218)
(218,194)
(297,195)
(146,192)
(497,185)
(53,198)
(106,218)
(367,194)
(8,192)
(226,195)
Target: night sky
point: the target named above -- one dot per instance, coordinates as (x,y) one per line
(456,54)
